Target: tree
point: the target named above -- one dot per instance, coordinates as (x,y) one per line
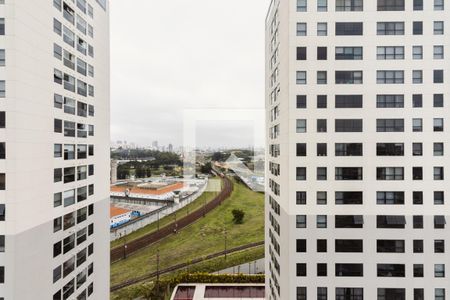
(238,216)
(206,168)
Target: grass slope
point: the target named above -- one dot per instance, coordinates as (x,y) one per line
(196,204)
(201,238)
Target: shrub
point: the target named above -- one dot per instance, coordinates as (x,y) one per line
(238,216)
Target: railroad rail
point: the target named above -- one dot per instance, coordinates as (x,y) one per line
(131,247)
(183,265)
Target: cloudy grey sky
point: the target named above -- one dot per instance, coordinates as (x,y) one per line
(170,56)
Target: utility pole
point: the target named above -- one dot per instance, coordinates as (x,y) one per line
(157,266)
(225,235)
(125,247)
(158,220)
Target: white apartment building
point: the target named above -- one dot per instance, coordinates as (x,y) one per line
(54,150)
(357,104)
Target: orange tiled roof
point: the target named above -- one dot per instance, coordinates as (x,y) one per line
(116,211)
(160,191)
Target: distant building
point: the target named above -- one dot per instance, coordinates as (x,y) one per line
(119,216)
(170,148)
(218,291)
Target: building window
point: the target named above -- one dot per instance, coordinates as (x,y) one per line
(391,293)
(390,101)
(417,52)
(390,28)
(438,76)
(417,76)
(417,149)
(390,246)
(390,77)
(391,5)
(417,28)
(57,199)
(390,173)
(390,125)
(417,246)
(418,222)
(301,246)
(349,293)
(301,101)
(348,173)
(439,294)
(417,100)
(417,198)
(391,198)
(349,5)
(439,246)
(349,77)
(418,5)
(438,124)
(417,125)
(349,28)
(301,221)
(348,198)
(301,293)
(385,53)
(321,198)
(438,27)
(439,270)
(348,149)
(439,222)
(322,5)
(348,53)
(391,221)
(417,173)
(322,29)
(301,198)
(321,149)
(321,246)
(301,29)
(2,212)
(301,5)
(321,221)
(2,150)
(321,173)
(301,269)
(301,77)
(438,197)
(438,52)
(2,89)
(322,293)
(301,149)
(301,126)
(322,53)
(301,173)
(301,53)
(438,149)
(322,99)
(349,270)
(438,4)
(438,173)
(322,125)
(390,270)
(321,77)
(349,101)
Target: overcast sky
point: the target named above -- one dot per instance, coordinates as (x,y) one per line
(171,56)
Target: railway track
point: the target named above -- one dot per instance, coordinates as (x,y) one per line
(131,247)
(183,265)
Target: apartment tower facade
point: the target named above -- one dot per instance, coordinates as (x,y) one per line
(54,153)
(357,106)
